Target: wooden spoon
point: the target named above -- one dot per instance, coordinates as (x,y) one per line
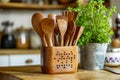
(36,20)
(62,25)
(52,16)
(77,35)
(48,28)
(70,31)
(56,35)
(56,30)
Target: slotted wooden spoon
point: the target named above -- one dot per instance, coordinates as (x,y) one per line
(62,25)
(65,13)
(48,28)
(70,15)
(36,20)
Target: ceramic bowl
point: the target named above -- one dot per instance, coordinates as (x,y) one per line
(112,59)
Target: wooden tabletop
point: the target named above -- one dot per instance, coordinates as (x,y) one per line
(34,73)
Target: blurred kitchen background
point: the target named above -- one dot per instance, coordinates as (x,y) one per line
(19,44)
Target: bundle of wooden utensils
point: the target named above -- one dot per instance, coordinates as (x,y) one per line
(59,35)
(57,30)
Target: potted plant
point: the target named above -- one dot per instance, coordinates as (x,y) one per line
(95,18)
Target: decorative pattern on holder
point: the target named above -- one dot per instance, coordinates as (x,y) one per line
(60,59)
(64,60)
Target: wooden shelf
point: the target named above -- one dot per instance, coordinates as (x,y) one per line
(15,5)
(19,51)
(32,6)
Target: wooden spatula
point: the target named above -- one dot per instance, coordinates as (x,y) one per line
(48,28)
(62,25)
(65,13)
(36,20)
(70,15)
(77,35)
(75,16)
(70,30)
(72,36)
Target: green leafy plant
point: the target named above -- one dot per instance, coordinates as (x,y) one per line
(95,18)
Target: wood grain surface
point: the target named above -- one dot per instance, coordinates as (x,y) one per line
(34,73)
(32,6)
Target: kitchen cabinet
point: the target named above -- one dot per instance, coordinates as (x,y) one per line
(4,60)
(24,59)
(19,57)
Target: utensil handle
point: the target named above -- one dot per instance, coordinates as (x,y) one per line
(74,42)
(56,40)
(71,39)
(67,39)
(49,41)
(62,41)
(44,42)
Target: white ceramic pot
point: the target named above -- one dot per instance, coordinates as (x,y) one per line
(112,59)
(35,40)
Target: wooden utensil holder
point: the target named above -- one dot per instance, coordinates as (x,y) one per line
(63,59)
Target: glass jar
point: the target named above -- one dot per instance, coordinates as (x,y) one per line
(1,33)
(35,41)
(8,39)
(22,39)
